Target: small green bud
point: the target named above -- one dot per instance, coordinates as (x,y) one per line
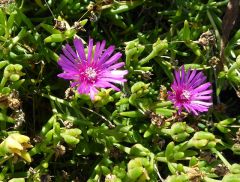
(5,90)
(6,73)
(44,164)
(17,180)
(14,77)
(137,86)
(105,170)
(18,67)
(177,178)
(75,132)
(178,155)
(178,127)
(204,135)
(70,139)
(235,169)
(135,173)
(180,137)
(236,148)
(139,150)
(231,178)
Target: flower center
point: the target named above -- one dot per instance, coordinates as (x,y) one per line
(90,73)
(185,96)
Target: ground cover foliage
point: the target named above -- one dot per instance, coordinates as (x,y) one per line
(51,132)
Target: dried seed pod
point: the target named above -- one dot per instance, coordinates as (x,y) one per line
(77,26)
(69,94)
(208,156)
(194,174)
(238,91)
(60,25)
(207,39)
(19,117)
(157,119)
(221,170)
(147,75)
(163,93)
(68,124)
(60,150)
(214,61)
(6,2)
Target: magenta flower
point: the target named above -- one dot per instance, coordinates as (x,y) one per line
(97,69)
(190,91)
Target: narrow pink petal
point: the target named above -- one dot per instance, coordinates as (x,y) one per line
(201,103)
(90,47)
(192,76)
(113,59)
(182,75)
(80,49)
(96,52)
(115,66)
(114,80)
(101,48)
(114,74)
(70,50)
(205,86)
(93,92)
(106,55)
(67,76)
(105,84)
(205,92)
(177,77)
(203,97)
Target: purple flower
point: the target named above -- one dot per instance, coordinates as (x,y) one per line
(190,91)
(97,69)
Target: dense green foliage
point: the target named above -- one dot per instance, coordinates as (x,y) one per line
(49,132)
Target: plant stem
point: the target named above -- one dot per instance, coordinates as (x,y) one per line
(227,164)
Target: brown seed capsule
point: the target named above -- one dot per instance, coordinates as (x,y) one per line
(110,178)
(157,119)
(214,61)
(5,2)
(163,93)
(19,117)
(69,93)
(221,170)
(68,124)
(194,174)
(60,150)
(208,156)
(207,39)
(60,25)
(13,100)
(147,75)
(77,26)
(238,91)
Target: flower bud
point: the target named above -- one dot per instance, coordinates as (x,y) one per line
(139,86)
(231,178)
(139,150)
(177,178)
(203,140)
(16,144)
(14,77)
(235,168)
(236,148)
(134,173)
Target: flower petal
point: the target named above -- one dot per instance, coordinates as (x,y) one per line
(80,49)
